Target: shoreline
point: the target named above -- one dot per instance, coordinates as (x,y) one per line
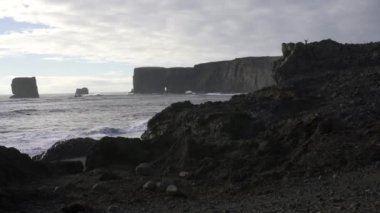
(308,144)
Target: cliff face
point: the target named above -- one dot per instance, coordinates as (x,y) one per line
(239,75)
(302,64)
(179,80)
(25,88)
(149,80)
(156,79)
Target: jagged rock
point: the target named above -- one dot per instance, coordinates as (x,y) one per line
(25,88)
(16,167)
(82,91)
(324,101)
(116,151)
(144,169)
(302,64)
(73,148)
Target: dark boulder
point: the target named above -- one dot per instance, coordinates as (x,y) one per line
(64,167)
(74,148)
(16,167)
(25,88)
(78,207)
(116,151)
(82,91)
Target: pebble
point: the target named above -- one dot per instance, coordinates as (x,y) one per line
(97,187)
(184,174)
(56,189)
(150,186)
(113,209)
(163,185)
(144,169)
(172,189)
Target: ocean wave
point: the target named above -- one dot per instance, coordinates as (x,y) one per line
(58,110)
(134,130)
(223,94)
(24,111)
(107,131)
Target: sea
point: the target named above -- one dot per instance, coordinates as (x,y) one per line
(34,125)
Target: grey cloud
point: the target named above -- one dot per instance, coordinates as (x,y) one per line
(179,33)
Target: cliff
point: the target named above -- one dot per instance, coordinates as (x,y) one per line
(239,75)
(302,64)
(24,88)
(236,76)
(156,79)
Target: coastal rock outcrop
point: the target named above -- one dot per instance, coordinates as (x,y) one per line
(62,150)
(82,91)
(320,118)
(236,76)
(302,64)
(25,88)
(309,143)
(16,167)
(116,151)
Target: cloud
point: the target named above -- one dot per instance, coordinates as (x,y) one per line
(182,33)
(59,59)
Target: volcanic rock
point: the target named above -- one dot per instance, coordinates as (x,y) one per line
(16,167)
(82,91)
(73,148)
(150,186)
(144,169)
(116,151)
(25,88)
(321,118)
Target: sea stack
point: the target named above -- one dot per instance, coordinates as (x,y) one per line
(79,92)
(24,88)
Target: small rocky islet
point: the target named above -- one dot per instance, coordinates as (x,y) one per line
(308,143)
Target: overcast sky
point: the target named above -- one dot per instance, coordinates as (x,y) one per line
(97,43)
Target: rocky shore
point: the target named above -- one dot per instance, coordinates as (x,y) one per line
(310,143)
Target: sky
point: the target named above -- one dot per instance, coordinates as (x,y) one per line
(97,44)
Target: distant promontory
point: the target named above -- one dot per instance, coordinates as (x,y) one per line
(25,88)
(236,76)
